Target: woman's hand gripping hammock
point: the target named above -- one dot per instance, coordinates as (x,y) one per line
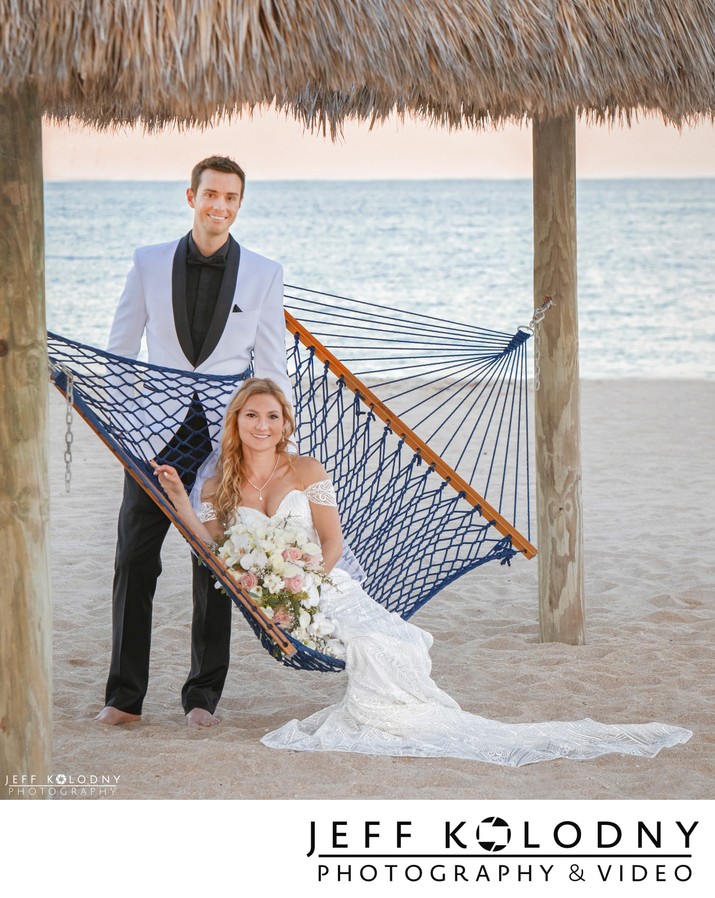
(169,479)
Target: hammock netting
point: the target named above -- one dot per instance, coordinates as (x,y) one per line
(439,407)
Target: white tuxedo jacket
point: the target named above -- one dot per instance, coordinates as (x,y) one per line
(248,325)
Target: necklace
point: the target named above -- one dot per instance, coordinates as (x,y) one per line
(260,489)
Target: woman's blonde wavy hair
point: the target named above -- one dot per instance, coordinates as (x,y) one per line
(230,465)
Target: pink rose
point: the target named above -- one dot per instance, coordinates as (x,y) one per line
(292,554)
(282,617)
(249,580)
(293,584)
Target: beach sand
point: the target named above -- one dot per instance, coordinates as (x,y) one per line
(650,606)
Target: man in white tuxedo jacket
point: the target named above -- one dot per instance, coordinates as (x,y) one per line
(205,304)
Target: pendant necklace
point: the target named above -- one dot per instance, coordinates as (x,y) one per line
(260,489)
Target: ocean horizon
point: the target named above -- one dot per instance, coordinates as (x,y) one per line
(455,248)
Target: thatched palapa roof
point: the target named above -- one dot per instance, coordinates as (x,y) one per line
(475,62)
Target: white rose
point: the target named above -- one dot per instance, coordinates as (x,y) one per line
(277,563)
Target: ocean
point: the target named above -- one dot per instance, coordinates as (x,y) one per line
(458,249)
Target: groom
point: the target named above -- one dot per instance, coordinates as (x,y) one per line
(205,304)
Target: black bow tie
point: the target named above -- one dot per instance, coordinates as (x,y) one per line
(215,261)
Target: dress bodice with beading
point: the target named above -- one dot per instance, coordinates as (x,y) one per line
(294,504)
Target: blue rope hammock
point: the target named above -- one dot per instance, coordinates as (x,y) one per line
(410,415)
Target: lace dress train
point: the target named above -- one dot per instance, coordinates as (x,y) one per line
(393,707)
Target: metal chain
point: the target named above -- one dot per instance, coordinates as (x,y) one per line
(69,408)
(69,436)
(533,326)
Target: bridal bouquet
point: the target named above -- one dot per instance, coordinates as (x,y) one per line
(280,567)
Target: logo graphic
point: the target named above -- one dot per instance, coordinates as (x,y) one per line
(493,834)
(74,785)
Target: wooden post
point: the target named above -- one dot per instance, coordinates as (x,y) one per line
(557,402)
(25,619)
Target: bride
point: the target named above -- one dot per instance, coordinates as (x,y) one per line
(391,705)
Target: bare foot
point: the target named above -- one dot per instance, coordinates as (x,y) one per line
(114,717)
(200,717)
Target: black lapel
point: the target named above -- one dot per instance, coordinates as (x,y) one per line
(224,301)
(178,300)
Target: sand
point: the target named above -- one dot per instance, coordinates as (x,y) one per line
(650,604)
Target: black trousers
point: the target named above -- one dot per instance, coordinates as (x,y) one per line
(141,530)
(210,642)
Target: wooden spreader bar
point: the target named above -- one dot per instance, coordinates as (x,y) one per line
(400,429)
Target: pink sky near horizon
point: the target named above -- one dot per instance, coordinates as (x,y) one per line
(271,147)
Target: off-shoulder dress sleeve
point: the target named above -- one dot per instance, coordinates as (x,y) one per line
(322,493)
(206,512)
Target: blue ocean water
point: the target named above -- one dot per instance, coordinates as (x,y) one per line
(457,249)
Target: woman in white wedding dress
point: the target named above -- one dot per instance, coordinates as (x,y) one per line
(391,704)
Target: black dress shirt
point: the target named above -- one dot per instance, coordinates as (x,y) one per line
(204,275)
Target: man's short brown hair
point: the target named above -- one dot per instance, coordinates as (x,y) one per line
(217,163)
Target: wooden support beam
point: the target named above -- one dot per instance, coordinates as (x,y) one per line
(25,618)
(557,402)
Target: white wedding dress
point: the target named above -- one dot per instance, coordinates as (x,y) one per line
(392,706)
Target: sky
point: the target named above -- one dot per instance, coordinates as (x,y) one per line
(271,147)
